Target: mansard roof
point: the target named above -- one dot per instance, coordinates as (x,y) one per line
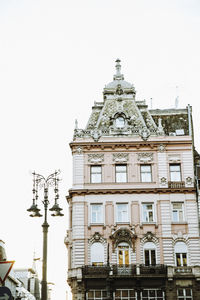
(121,115)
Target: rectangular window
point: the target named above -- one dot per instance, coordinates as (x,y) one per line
(96,294)
(152,294)
(150,257)
(181,259)
(148,212)
(175,172)
(125,295)
(95,174)
(96,213)
(184,294)
(121,173)
(177,212)
(145,173)
(122,212)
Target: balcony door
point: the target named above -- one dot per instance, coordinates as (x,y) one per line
(123,254)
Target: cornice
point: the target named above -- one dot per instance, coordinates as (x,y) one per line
(83,192)
(126,144)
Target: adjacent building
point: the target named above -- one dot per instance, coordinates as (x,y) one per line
(133,217)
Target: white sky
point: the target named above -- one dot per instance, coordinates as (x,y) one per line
(55,58)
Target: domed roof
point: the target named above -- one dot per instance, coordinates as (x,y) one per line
(118,79)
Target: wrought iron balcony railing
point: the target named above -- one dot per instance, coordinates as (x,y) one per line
(124,270)
(96,270)
(153,269)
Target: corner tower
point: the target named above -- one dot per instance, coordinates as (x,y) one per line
(133,231)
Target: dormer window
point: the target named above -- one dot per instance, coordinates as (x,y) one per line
(120,122)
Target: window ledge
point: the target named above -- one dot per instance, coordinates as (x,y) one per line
(125,223)
(96,224)
(180,223)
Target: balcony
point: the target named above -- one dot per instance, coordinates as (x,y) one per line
(124,270)
(149,270)
(191,271)
(96,271)
(176,184)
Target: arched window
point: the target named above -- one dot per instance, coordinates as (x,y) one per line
(149,254)
(120,122)
(97,254)
(180,249)
(123,254)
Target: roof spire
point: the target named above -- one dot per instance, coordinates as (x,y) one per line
(118,75)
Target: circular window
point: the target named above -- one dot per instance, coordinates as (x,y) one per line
(120,122)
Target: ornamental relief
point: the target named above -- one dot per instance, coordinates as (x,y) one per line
(149,237)
(95,158)
(97,237)
(145,157)
(110,108)
(123,235)
(120,157)
(161,148)
(93,119)
(79,150)
(163,181)
(189,180)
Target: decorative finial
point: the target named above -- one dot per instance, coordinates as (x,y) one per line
(177,98)
(76,124)
(118,67)
(118,75)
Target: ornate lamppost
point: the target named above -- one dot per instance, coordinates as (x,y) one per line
(40,182)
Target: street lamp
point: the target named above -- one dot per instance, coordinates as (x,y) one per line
(39,182)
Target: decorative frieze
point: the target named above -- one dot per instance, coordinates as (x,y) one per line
(120,157)
(145,157)
(95,158)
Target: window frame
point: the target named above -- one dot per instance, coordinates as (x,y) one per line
(150,246)
(178,212)
(181,250)
(125,247)
(184,296)
(92,174)
(128,297)
(150,210)
(101,221)
(148,296)
(144,173)
(172,173)
(117,213)
(97,263)
(97,298)
(118,172)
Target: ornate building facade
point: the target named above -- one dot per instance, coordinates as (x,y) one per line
(133,230)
